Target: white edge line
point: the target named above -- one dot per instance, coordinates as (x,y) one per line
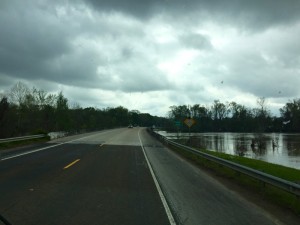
(161,195)
(29,152)
(41,149)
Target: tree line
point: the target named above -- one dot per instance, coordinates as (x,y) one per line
(234,117)
(25,111)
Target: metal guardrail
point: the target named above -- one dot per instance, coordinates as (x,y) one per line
(264,177)
(22,138)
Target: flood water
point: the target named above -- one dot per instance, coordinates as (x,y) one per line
(278,148)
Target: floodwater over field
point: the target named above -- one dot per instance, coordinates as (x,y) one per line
(278,148)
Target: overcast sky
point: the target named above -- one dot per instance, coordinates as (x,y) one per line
(149,55)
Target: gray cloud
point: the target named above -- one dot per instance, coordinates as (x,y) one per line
(28,39)
(37,44)
(147,46)
(253,74)
(136,8)
(196,41)
(134,76)
(257,13)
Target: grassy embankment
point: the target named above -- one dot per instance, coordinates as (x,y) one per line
(268,192)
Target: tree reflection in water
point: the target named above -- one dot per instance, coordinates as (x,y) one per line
(279,148)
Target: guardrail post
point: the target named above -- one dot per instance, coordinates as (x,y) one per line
(297,201)
(263,187)
(237,173)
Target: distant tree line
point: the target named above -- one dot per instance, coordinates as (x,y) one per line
(234,117)
(26,111)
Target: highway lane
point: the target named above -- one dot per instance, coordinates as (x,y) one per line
(112,184)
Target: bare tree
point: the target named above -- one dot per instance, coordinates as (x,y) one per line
(17,94)
(220,110)
(262,115)
(262,106)
(42,98)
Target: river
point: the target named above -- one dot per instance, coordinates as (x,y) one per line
(278,148)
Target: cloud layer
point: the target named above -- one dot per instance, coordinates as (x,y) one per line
(152,54)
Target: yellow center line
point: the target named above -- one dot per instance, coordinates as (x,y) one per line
(71,164)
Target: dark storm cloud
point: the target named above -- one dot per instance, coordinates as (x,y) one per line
(256,13)
(188,48)
(136,8)
(28,39)
(38,43)
(33,36)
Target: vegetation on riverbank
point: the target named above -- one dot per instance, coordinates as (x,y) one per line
(234,117)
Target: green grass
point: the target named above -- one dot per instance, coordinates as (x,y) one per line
(283,172)
(8,145)
(267,192)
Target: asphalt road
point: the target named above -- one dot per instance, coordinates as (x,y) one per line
(121,176)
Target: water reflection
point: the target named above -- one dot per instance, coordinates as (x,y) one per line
(292,144)
(259,144)
(276,148)
(240,147)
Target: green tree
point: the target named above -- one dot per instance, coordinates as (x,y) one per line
(241,118)
(134,117)
(290,114)
(62,113)
(4,107)
(219,112)
(203,118)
